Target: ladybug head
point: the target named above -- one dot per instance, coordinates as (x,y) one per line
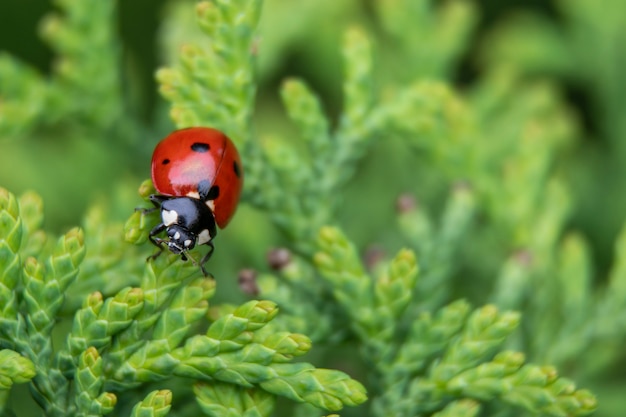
(180,239)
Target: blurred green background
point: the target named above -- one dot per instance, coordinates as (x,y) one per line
(298,39)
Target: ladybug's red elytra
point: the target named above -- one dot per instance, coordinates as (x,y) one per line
(198,175)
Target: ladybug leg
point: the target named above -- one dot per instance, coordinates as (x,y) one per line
(206,258)
(156,241)
(156,200)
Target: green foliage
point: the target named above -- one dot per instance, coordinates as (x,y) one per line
(442,358)
(141,335)
(86,48)
(499,270)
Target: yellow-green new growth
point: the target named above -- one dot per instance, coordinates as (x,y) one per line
(10,263)
(14,369)
(156,404)
(231,353)
(90,400)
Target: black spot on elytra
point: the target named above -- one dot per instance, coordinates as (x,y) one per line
(214,192)
(165,161)
(200,147)
(237,169)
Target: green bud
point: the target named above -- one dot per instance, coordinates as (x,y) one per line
(10,223)
(258,313)
(8,203)
(287,345)
(106,402)
(146,189)
(588,402)
(94,301)
(208,16)
(488,323)
(510,359)
(31,210)
(119,311)
(89,379)
(136,228)
(11,235)
(357,87)
(89,358)
(551,373)
(68,254)
(14,369)
(394,290)
(42,298)
(156,404)
(192,294)
(305,110)
(562,387)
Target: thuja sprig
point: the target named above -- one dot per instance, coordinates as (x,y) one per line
(437,242)
(14,369)
(289,185)
(295,287)
(138,225)
(99,320)
(443,357)
(231,353)
(11,231)
(214,86)
(30,313)
(430,35)
(371,304)
(84,38)
(162,278)
(20,84)
(89,377)
(536,388)
(44,286)
(85,73)
(187,306)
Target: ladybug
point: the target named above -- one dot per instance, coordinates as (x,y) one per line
(198,176)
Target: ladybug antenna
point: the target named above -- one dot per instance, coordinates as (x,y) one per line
(204,259)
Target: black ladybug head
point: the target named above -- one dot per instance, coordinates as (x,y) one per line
(180,239)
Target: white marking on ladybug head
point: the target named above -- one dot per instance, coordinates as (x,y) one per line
(169,217)
(204,237)
(177,235)
(210,204)
(187,242)
(193,194)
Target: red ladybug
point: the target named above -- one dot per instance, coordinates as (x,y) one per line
(197,172)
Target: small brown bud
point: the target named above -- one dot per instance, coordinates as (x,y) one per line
(524,257)
(405,203)
(373,255)
(247,281)
(278,258)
